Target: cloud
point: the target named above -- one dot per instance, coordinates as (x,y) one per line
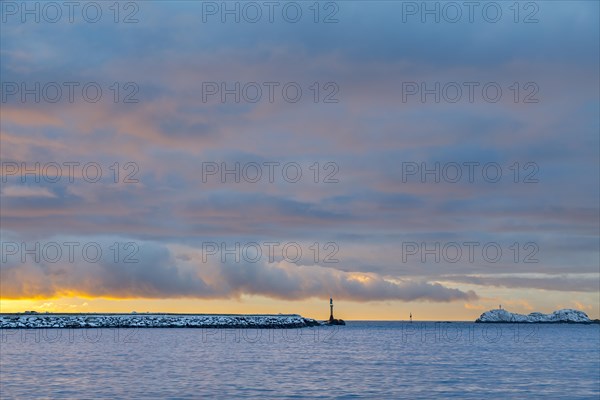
(29,117)
(26,191)
(163,273)
(289,281)
(561,283)
(368,134)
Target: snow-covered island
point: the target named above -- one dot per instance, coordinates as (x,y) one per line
(561,316)
(34,320)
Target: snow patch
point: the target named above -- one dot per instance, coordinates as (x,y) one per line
(565,315)
(153,321)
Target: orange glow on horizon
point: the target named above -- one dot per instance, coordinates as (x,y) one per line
(312,308)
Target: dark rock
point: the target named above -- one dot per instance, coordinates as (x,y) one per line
(333,321)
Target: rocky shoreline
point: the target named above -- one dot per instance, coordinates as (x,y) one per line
(42,321)
(564,316)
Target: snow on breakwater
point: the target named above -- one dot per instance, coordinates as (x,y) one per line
(561,316)
(32,321)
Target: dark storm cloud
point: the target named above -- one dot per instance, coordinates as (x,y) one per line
(160,273)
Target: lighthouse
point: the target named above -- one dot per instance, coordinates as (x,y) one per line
(330,309)
(333,321)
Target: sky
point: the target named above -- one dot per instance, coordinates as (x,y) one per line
(231,157)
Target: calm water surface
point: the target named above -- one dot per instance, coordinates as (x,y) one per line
(385,360)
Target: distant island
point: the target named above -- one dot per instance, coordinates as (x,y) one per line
(567,315)
(33,320)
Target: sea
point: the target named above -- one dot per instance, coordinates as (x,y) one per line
(362,360)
